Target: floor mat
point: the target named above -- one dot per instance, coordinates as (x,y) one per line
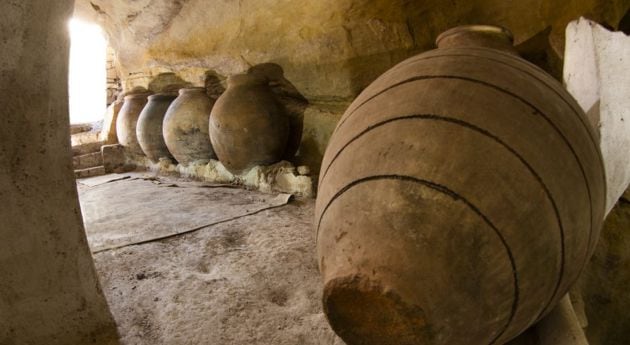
(99,180)
(136,211)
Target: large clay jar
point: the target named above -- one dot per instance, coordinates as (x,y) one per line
(248,126)
(185,126)
(128,119)
(460,196)
(149,128)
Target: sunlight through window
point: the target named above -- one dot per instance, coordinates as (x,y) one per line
(87,76)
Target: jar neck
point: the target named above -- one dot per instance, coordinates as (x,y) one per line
(480,36)
(249,79)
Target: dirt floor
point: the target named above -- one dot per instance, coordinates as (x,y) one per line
(252,280)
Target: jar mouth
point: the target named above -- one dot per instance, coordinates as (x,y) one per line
(477,28)
(192,89)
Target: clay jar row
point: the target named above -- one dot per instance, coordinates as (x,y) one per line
(246,127)
(166,125)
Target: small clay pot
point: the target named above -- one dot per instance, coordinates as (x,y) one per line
(149,128)
(128,119)
(185,126)
(248,126)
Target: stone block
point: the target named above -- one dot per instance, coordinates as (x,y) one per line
(597,74)
(108,132)
(114,158)
(87,160)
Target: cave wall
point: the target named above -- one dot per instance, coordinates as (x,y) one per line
(329,49)
(604,284)
(49,293)
(114,86)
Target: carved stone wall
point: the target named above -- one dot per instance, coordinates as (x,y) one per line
(114,82)
(49,293)
(329,49)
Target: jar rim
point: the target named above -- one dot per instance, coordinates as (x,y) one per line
(138,95)
(480,28)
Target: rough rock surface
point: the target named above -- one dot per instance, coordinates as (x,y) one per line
(606,279)
(49,293)
(329,49)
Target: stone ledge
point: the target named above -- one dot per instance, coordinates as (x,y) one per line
(282,177)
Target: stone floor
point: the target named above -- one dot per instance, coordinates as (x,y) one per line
(252,280)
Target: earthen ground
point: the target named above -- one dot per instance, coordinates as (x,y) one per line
(253,280)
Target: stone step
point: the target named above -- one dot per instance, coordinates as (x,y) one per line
(80,128)
(83,149)
(90,172)
(88,160)
(84,138)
